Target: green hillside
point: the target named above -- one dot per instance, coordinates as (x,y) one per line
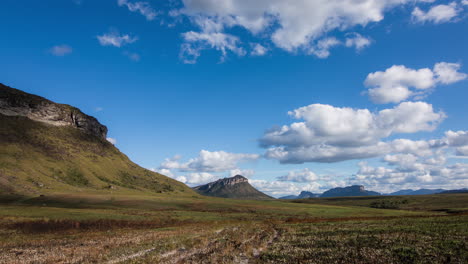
(39,158)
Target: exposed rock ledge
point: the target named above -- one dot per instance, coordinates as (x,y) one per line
(14,102)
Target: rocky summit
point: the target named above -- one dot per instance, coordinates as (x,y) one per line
(14,102)
(49,148)
(237,187)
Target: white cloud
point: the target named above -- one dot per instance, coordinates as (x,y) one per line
(200,178)
(195,42)
(464,2)
(458,140)
(299,176)
(357,41)
(207,161)
(292,25)
(275,188)
(399,83)
(248,173)
(258,50)
(143,8)
(447,73)
(322,48)
(61,50)
(437,14)
(112,140)
(414,173)
(115,39)
(331,134)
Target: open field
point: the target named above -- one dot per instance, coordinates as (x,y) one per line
(456,202)
(152,229)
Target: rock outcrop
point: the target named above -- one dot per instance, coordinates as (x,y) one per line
(14,102)
(237,187)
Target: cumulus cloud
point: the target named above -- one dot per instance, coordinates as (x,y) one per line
(437,14)
(426,165)
(112,140)
(304,175)
(292,25)
(357,41)
(61,50)
(165,172)
(455,139)
(331,134)
(144,8)
(448,73)
(322,48)
(207,161)
(275,188)
(195,42)
(399,83)
(244,172)
(431,172)
(258,50)
(115,39)
(198,178)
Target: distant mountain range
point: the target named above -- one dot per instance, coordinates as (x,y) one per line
(302,195)
(237,187)
(355,190)
(359,190)
(417,192)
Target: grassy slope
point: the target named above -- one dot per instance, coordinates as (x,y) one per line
(36,158)
(435,202)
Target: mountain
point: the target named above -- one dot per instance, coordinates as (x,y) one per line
(464,190)
(402,192)
(355,190)
(237,187)
(302,195)
(46,147)
(417,192)
(305,194)
(288,197)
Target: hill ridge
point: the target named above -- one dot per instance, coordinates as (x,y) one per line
(237,187)
(48,148)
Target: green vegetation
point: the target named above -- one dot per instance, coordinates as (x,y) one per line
(407,240)
(455,203)
(36,158)
(154,228)
(69,197)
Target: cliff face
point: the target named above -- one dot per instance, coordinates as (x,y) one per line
(14,102)
(48,148)
(237,187)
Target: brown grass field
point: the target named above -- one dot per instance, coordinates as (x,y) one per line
(135,229)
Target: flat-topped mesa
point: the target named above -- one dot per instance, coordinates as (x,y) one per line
(237,187)
(14,102)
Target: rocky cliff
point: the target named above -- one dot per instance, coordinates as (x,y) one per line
(14,102)
(237,187)
(49,148)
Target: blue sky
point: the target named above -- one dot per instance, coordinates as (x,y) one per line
(177,77)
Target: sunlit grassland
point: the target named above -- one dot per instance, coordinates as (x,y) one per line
(402,240)
(151,229)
